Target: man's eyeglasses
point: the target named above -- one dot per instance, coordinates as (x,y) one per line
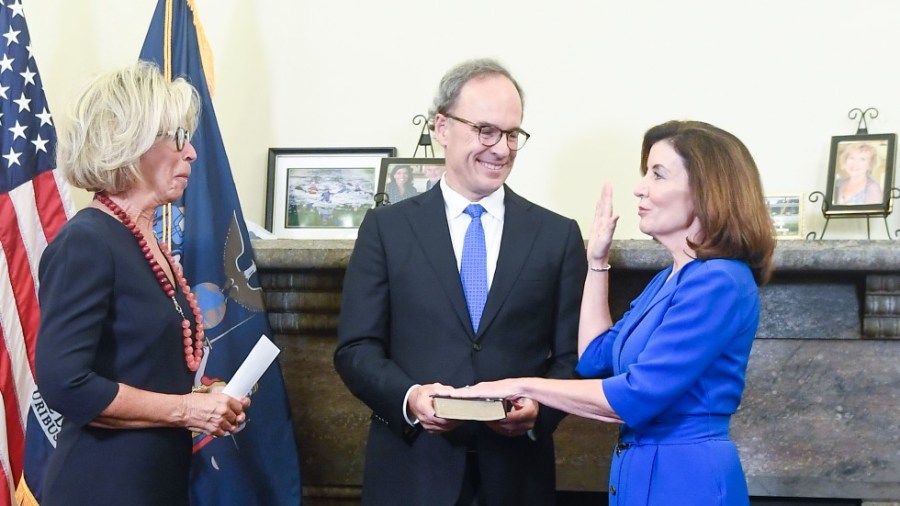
(180,135)
(489,135)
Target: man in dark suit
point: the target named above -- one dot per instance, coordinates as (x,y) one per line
(406,332)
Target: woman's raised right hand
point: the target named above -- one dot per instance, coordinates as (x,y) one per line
(602,230)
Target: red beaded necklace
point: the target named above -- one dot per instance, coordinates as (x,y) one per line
(193,348)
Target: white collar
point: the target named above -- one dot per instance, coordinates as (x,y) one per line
(456,203)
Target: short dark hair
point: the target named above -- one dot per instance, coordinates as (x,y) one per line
(398,168)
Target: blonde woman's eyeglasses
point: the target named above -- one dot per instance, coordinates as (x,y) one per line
(180,135)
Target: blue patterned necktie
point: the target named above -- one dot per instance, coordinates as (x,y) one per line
(473,267)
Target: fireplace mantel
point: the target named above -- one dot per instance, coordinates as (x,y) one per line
(819,413)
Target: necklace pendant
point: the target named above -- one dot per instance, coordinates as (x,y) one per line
(178,307)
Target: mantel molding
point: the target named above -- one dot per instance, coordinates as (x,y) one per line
(851,256)
(821,376)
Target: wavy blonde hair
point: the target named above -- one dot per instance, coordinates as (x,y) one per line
(116,119)
(859,147)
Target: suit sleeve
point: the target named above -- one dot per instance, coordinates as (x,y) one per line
(703,318)
(565,334)
(361,358)
(75,292)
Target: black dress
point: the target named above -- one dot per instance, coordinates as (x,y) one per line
(105,320)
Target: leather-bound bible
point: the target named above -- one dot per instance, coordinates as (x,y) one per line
(480,409)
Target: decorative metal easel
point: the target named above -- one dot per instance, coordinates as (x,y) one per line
(830,209)
(424,136)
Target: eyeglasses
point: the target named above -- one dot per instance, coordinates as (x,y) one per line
(489,135)
(180,135)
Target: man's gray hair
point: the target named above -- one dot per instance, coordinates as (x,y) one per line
(458,76)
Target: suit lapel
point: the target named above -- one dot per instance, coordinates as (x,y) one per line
(428,220)
(519,231)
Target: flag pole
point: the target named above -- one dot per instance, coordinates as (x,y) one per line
(260,464)
(167,73)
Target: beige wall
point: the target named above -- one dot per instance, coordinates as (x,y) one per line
(781,75)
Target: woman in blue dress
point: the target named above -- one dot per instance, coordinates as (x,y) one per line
(121,334)
(672,370)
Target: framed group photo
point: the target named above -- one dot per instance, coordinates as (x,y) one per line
(786,214)
(402,178)
(860,174)
(321,193)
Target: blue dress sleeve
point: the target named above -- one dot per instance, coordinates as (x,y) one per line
(76,278)
(708,310)
(596,360)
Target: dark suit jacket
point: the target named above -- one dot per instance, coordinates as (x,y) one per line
(404,322)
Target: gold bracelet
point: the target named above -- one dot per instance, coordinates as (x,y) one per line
(602,269)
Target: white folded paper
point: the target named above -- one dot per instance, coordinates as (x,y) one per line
(260,358)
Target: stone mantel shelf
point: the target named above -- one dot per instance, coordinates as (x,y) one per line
(866,256)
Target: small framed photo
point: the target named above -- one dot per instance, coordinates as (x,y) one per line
(786,214)
(860,175)
(321,193)
(402,178)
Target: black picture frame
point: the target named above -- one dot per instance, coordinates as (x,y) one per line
(424,171)
(860,175)
(321,193)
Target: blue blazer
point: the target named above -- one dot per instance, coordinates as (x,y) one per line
(674,369)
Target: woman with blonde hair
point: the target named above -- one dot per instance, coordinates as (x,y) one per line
(121,335)
(857,187)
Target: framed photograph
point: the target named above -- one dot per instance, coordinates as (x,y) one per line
(786,213)
(321,193)
(860,174)
(402,178)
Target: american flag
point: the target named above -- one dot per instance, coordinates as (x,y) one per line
(34,204)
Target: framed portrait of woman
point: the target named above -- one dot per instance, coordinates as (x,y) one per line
(402,178)
(860,174)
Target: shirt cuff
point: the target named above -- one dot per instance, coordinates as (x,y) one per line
(412,423)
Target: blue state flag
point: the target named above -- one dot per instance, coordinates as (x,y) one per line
(258,465)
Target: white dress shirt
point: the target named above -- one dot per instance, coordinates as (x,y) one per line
(492,222)
(458,221)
